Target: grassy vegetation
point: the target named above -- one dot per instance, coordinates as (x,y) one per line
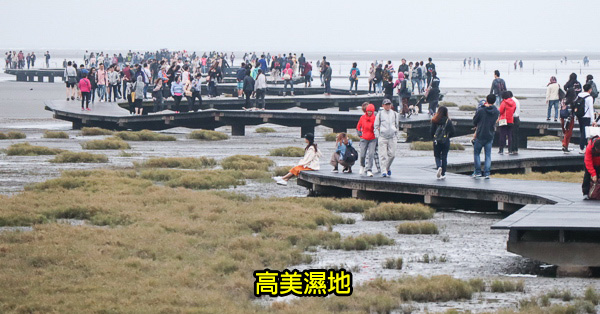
(330,137)
(281,171)
(12,136)
(420,227)
(108,143)
(26,149)
(545,138)
(246,162)
(290,151)
(448,104)
(179,162)
(467,108)
(265,130)
(344,205)
(507,286)
(197,180)
(55,134)
(79,157)
(429,146)
(359,243)
(520,97)
(564,295)
(571,177)
(400,211)
(144,135)
(126,154)
(432,259)
(393,263)
(207,135)
(95,131)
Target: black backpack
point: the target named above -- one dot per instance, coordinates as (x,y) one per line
(579,106)
(441,137)
(351,155)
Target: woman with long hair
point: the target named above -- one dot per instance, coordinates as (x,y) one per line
(177,92)
(552,98)
(310,161)
(442,130)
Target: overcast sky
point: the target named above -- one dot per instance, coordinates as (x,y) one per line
(307,25)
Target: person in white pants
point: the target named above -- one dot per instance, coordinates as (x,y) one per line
(386,131)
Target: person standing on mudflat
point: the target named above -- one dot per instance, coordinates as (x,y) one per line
(498,87)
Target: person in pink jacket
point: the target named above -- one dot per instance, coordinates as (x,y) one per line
(505,121)
(101,80)
(85,87)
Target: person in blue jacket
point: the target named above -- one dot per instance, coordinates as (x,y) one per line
(354,74)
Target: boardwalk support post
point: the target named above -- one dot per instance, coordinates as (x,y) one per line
(238,129)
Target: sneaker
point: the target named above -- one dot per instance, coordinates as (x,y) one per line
(72,97)
(88,109)
(475,175)
(369,174)
(501,152)
(389,173)
(442,177)
(345,170)
(586,198)
(487,177)
(555,120)
(349,170)
(335,170)
(548,119)
(282,182)
(384,175)
(361,171)
(82,109)
(565,150)
(582,151)
(439,173)
(68,99)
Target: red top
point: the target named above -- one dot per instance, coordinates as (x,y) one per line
(366,124)
(591,159)
(85,85)
(507,110)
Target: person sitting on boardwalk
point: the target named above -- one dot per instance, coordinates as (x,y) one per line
(505,121)
(368,142)
(343,154)
(485,121)
(386,131)
(592,165)
(442,130)
(310,161)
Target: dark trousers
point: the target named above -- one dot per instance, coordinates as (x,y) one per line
(114,92)
(177,102)
(327,86)
(212,89)
(260,99)
(85,99)
(587,180)
(433,107)
(93,94)
(515,135)
(247,93)
(192,101)
(440,152)
(124,88)
(583,122)
(158,101)
(371,83)
(505,133)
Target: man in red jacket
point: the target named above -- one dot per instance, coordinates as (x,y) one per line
(592,165)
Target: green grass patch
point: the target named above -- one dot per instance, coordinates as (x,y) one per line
(26,149)
(429,146)
(448,104)
(203,179)
(79,157)
(592,296)
(207,135)
(507,286)
(520,97)
(399,211)
(432,259)
(265,130)
(545,138)
(108,143)
(393,263)
(342,205)
(12,136)
(289,151)
(330,137)
(359,243)
(55,134)
(467,108)
(87,131)
(246,162)
(144,135)
(281,171)
(570,177)
(419,227)
(179,162)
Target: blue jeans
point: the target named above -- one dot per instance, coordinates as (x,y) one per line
(416,82)
(553,103)
(498,100)
(477,146)
(285,85)
(102,92)
(378,87)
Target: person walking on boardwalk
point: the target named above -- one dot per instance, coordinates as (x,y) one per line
(85,87)
(485,120)
(309,162)
(70,80)
(239,76)
(378,79)
(505,121)
(430,67)
(195,92)
(323,68)
(47,56)
(590,80)
(442,130)
(157,95)
(260,88)
(553,92)
(514,149)
(327,78)
(498,87)
(354,74)
(92,77)
(592,166)
(584,111)
(567,116)
(138,88)
(368,142)
(248,89)
(372,78)
(433,93)
(177,92)
(343,155)
(386,132)
(307,73)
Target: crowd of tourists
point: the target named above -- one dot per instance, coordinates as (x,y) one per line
(18,60)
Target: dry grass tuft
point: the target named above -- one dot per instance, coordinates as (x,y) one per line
(359,243)
(289,151)
(79,157)
(26,149)
(12,136)
(265,130)
(507,286)
(546,138)
(179,162)
(393,263)
(571,177)
(144,135)
(246,162)
(391,211)
(95,131)
(344,205)
(108,143)
(55,134)
(467,108)
(208,135)
(281,171)
(429,146)
(448,104)
(420,227)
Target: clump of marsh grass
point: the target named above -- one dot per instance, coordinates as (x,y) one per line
(429,146)
(281,171)
(26,149)
(12,135)
(179,162)
(246,162)
(144,135)
(507,286)
(448,104)
(207,135)
(108,143)
(419,227)
(265,130)
(393,263)
(467,108)
(432,259)
(361,242)
(289,151)
(567,176)
(55,134)
(592,295)
(344,205)
(391,211)
(79,157)
(92,131)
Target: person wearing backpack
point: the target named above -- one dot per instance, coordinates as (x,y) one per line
(498,87)
(590,80)
(354,74)
(368,142)
(386,132)
(344,154)
(583,109)
(442,130)
(433,93)
(567,118)
(505,121)
(592,166)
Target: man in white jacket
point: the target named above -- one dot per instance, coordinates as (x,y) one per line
(386,131)
(260,88)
